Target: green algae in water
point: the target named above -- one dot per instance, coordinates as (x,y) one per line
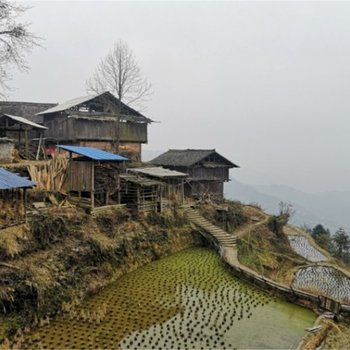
(187,300)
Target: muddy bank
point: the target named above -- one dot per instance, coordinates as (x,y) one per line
(65,255)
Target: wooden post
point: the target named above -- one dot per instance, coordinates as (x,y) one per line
(25,204)
(161,199)
(26,143)
(70,173)
(182,191)
(19,137)
(92,185)
(138,197)
(119,188)
(39,145)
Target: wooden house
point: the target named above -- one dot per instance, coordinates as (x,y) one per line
(207,170)
(93,176)
(13,199)
(95,121)
(19,129)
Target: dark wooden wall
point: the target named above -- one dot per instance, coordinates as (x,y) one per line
(202,172)
(79,176)
(202,188)
(69,129)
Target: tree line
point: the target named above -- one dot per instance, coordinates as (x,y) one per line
(338,245)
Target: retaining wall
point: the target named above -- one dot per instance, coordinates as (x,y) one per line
(293,295)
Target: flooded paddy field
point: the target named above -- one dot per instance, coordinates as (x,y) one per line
(185,301)
(302,246)
(324,280)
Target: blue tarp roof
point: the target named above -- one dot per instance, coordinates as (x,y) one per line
(93,153)
(9,181)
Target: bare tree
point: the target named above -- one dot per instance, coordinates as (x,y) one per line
(15,41)
(286,209)
(119,73)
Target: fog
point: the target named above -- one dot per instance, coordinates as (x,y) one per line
(265,83)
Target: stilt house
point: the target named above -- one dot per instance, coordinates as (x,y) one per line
(93,176)
(99,121)
(13,199)
(207,170)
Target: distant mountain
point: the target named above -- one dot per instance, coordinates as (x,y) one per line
(331,209)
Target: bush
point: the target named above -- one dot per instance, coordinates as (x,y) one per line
(276,224)
(47,229)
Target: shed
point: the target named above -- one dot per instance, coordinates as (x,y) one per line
(93,176)
(13,199)
(173,180)
(141,193)
(18,128)
(207,170)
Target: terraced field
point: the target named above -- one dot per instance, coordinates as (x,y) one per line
(302,247)
(324,280)
(186,301)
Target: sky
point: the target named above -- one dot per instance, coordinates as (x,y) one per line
(267,84)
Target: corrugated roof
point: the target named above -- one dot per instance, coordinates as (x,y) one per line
(93,153)
(68,104)
(9,181)
(22,120)
(159,172)
(187,157)
(125,109)
(140,180)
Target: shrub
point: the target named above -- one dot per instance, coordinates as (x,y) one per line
(47,229)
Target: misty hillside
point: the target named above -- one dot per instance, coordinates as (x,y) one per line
(328,208)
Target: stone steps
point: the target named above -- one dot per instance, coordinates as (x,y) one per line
(220,235)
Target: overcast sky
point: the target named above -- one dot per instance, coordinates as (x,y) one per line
(265,83)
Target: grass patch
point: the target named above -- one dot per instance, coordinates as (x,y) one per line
(265,252)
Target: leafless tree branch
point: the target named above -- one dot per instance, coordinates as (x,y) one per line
(119,73)
(15,41)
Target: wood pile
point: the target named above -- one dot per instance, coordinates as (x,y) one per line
(81,202)
(50,176)
(106,178)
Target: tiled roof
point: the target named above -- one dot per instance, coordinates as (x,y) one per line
(187,157)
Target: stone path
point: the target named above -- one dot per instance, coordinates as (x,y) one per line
(223,238)
(228,249)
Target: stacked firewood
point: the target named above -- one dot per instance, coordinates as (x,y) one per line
(106,178)
(51,175)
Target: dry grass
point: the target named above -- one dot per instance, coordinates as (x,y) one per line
(10,241)
(262,251)
(42,277)
(313,340)
(253,212)
(338,337)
